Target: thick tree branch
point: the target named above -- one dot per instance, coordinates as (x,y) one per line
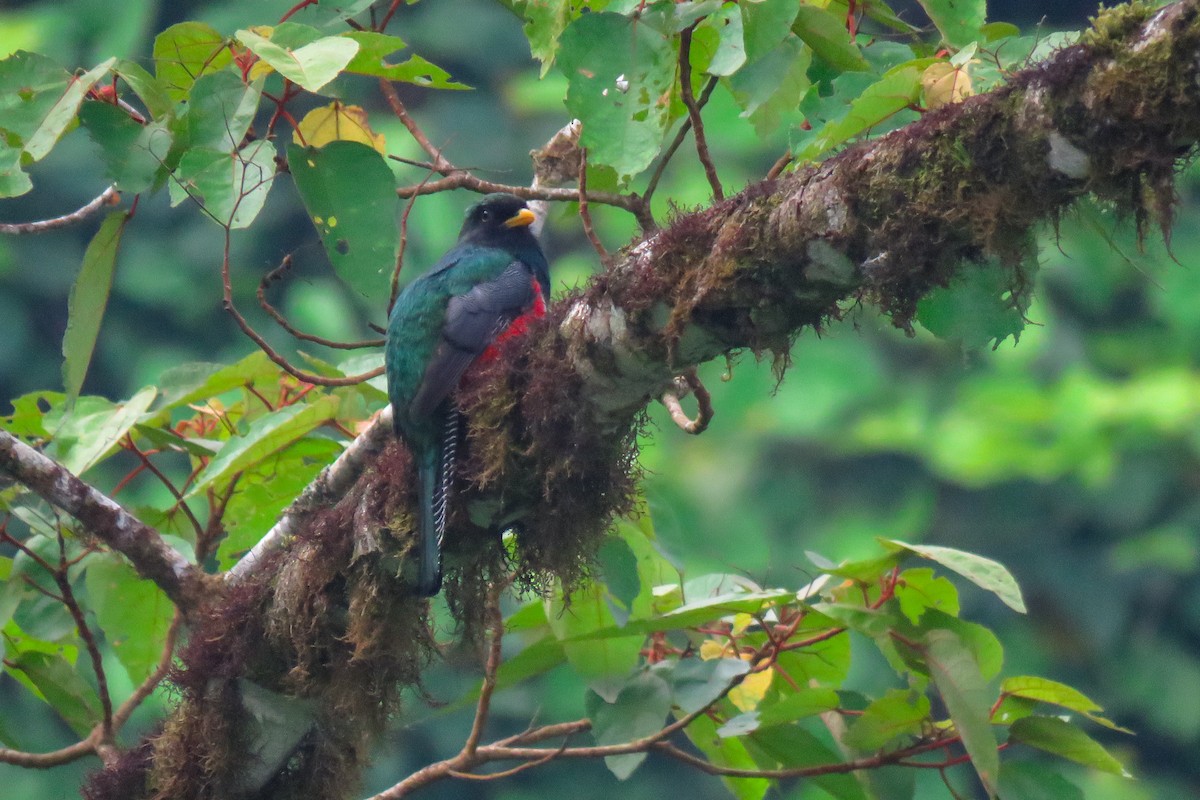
(153,558)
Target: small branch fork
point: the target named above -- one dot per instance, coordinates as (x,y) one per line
(518,747)
(102,739)
(685,89)
(109,197)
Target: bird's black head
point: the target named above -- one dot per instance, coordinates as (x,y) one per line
(500,220)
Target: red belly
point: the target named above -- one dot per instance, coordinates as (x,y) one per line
(519,325)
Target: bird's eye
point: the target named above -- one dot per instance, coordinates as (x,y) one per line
(485,215)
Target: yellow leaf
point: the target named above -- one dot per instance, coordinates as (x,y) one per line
(337,122)
(750,692)
(710,649)
(945,83)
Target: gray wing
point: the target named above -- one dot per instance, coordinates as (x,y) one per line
(473,320)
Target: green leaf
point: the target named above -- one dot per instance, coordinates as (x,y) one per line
(311,66)
(978,308)
(232,187)
(1045,690)
(350,194)
(189,383)
(52,678)
(983,572)
(964,691)
(88,299)
(265,436)
(958,21)
(133,154)
(619,75)
(769,89)
(62,113)
(38,101)
(1027,780)
(93,427)
(792,707)
(619,566)
(765,24)
(793,746)
(982,643)
(825,32)
(727,752)
(896,90)
(545,20)
(220,111)
(639,710)
(1063,739)
(371,59)
(133,613)
(14,182)
(917,590)
(730,53)
(149,89)
(898,713)
(185,52)
(597,660)
(696,683)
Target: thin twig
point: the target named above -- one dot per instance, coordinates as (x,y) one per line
(308,377)
(109,197)
(277,274)
(400,251)
(779,166)
(496,626)
(585,215)
(440,163)
(685,90)
(165,481)
(144,689)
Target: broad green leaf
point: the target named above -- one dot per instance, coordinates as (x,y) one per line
(769,89)
(62,113)
(977,309)
(730,53)
(826,34)
(52,679)
(982,643)
(917,590)
(92,427)
(1028,780)
(350,194)
(231,187)
(88,299)
(1063,739)
(896,90)
(765,24)
(536,659)
(149,89)
(983,572)
(133,613)
(265,436)
(190,383)
(220,111)
(134,155)
(619,75)
(545,20)
(697,682)
(898,713)
(371,59)
(792,706)
(311,66)
(793,746)
(597,660)
(14,182)
(964,691)
(958,21)
(727,752)
(639,710)
(185,52)
(619,567)
(1045,690)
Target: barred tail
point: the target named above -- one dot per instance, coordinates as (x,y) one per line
(437,479)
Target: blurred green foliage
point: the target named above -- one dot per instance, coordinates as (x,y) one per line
(1071,457)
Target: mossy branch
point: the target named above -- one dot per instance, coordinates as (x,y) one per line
(552,421)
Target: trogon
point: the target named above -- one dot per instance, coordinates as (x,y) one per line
(485,288)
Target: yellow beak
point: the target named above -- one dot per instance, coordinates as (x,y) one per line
(520,219)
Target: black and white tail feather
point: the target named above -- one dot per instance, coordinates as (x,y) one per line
(437,481)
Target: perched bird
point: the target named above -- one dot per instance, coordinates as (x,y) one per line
(484,289)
